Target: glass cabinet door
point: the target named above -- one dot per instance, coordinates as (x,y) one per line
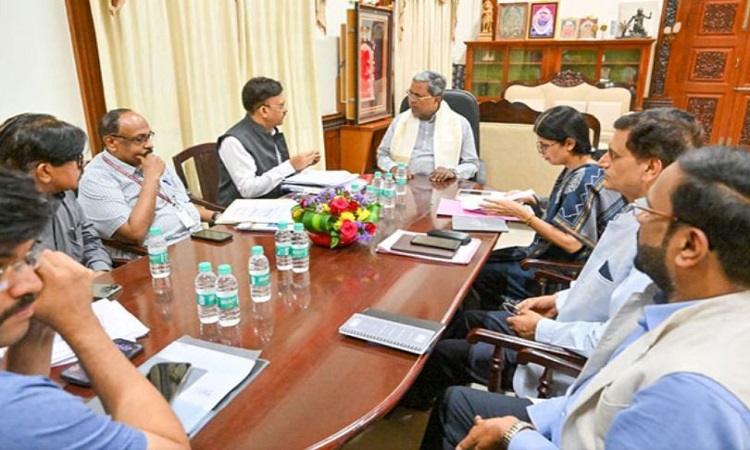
(580,60)
(621,66)
(487,74)
(525,64)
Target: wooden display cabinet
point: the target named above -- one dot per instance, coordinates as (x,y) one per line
(492,65)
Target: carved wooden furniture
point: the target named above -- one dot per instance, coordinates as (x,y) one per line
(206,164)
(359,145)
(492,66)
(553,358)
(321,388)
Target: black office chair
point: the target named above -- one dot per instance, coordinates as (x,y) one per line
(464,103)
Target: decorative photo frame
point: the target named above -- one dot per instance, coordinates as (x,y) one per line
(587,27)
(373,49)
(511,21)
(542,20)
(568,28)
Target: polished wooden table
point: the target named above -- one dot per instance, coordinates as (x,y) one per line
(320,388)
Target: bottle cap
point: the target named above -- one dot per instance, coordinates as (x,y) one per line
(402,164)
(378,174)
(154,231)
(204,266)
(298,227)
(354,187)
(282,225)
(257,250)
(225,269)
(389,176)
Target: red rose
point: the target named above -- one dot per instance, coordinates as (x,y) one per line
(353,206)
(338,205)
(370,228)
(348,230)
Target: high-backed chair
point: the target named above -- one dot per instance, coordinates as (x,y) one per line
(206,163)
(464,103)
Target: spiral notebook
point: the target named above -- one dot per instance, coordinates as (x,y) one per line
(393,330)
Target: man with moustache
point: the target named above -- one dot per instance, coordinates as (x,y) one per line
(253,156)
(46,292)
(51,151)
(128,189)
(643,145)
(666,375)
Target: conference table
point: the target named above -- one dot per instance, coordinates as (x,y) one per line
(321,388)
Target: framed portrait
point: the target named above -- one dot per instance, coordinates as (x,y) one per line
(587,28)
(373,56)
(511,21)
(542,19)
(568,28)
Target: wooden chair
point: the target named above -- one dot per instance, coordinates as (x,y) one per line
(131,248)
(205,158)
(551,357)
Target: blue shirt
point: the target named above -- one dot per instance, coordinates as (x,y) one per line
(36,414)
(680,410)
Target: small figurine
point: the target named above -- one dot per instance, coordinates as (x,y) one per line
(637,31)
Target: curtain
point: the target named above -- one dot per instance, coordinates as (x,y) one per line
(425,43)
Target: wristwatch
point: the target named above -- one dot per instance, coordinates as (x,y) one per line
(214,217)
(514,429)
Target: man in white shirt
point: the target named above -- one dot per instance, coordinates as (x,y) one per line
(253,156)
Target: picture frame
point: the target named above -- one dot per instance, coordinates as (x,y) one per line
(511,21)
(568,28)
(374,85)
(542,20)
(587,27)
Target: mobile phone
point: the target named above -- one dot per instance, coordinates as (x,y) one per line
(212,235)
(169,377)
(106,290)
(510,308)
(436,242)
(76,375)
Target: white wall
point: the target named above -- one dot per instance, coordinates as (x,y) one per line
(37,65)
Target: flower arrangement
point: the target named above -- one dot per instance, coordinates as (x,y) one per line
(336,217)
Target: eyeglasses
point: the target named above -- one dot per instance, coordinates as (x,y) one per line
(280,105)
(541,147)
(31,259)
(415,97)
(141,139)
(641,205)
(79,161)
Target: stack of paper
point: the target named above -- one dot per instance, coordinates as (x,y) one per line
(462,256)
(472,199)
(321,178)
(258,211)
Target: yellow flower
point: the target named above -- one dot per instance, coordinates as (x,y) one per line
(362,214)
(325,209)
(347,215)
(297,213)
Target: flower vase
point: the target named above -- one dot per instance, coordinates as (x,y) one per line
(324,240)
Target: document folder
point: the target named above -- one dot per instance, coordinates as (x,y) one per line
(393,330)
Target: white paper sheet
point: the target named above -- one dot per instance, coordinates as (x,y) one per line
(258,210)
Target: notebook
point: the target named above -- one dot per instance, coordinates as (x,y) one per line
(393,330)
(484,224)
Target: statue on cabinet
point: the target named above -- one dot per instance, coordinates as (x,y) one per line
(487,17)
(637,30)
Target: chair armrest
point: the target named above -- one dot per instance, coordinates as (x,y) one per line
(568,367)
(517,343)
(554,277)
(206,204)
(132,248)
(567,268)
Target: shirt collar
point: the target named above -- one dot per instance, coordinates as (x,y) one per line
(654,315)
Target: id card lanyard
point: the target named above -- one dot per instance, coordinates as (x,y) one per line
(159,193)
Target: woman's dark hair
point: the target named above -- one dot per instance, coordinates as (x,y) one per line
(714,196)
(28,139)
(563,122)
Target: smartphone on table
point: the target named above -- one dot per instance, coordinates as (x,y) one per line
(76,375)
(436,242)
(106,290)
(212,235)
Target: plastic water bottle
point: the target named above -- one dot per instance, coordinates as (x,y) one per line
(283,247)
(158,257)
(371,193)
(300,249)
(226,297)
(377,181)
(401,177)
(388,193)
(260,276)
(205,293)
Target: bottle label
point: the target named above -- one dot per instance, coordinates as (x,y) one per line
(227,300)
(299,252)
(206,299)
(158,258)
(401,181)
(261,279)
(283,250)
(388,193)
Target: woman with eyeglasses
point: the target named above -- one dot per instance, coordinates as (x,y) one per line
(568,223)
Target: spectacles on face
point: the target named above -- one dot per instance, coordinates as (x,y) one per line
(280,105)
(79,161)
(642,207)
(542,147)
(10,270)
(141,139)
(415,97)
